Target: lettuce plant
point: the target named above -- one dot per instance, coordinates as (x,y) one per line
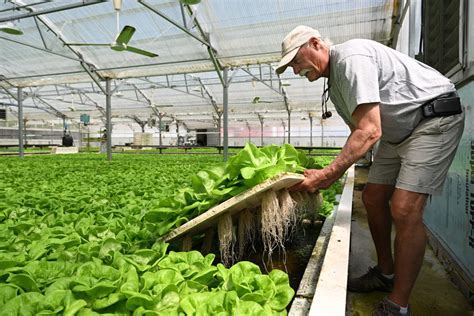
(78,235)
(211,186)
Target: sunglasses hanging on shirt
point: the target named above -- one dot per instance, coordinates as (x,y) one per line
(324,101)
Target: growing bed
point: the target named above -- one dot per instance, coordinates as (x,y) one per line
(74,239)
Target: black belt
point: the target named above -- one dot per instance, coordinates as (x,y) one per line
(443,105)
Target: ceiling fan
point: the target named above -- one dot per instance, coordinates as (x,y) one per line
(257,100)
(121,39)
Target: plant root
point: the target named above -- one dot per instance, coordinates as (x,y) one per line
(246,231)
(226,239)
(272,224)
(289,213)
(187,243)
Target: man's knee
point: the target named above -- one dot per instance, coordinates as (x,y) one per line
(407,207)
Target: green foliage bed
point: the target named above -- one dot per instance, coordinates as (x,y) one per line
(76,239)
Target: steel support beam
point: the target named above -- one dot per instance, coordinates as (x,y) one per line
(169,86)
(46,11)
(148,100)
(160,117)
(29,107)
(185,30)
(288,110)
(21,7)
(108,123)
(20,123)
(289,127)
(98,107)
(263,82)
(88,67)
(283,125)
(40,33)
(219,129)
(322,132)
(38,48)
(216,64)
(49,108)
(287,106)
(260,118)
(209,94)
(248,127)
(398,25)
(8,91)
(225,98)
(80,135)
(183,16)
(211,51)
(12,104)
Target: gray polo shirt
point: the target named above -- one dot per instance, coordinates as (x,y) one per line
(364,71)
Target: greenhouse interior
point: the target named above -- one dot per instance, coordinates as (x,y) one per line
(153,159)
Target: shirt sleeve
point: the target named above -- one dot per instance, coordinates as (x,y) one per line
(358,81)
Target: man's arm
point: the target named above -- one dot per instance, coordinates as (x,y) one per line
(365,133)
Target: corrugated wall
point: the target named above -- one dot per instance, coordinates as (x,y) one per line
(451,216)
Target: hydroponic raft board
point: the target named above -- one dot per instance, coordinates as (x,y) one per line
(245,200)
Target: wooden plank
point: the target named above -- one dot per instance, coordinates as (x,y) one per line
(330,294)
(248,199)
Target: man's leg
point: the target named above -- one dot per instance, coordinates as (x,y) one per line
(407,213)
(376,199)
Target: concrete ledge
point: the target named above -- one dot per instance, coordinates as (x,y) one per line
(331,290)
(307,287)
(65,150)
(316,287)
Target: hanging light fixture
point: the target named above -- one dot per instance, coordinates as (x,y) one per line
(11,28)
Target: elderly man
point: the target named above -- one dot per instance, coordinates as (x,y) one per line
(415,113)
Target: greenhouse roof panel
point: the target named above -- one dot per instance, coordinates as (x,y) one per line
(238,32)
(182,82)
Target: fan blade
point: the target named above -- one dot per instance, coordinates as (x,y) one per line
(86,44)
(140,51)
(125,35)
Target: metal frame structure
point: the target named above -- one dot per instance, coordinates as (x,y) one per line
(208,69)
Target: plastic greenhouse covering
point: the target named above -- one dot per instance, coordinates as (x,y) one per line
(194,43)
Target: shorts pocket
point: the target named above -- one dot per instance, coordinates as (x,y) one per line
(448,122)
(429,126)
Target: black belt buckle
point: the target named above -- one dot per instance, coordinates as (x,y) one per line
(443,106)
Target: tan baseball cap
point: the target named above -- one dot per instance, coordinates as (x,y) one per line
(292,42)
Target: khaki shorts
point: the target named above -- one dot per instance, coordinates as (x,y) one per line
(420,163)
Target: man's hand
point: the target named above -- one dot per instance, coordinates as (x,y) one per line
(365,132)
(315,179)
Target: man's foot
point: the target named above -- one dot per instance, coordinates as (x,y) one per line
(389,308)
(373,280)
